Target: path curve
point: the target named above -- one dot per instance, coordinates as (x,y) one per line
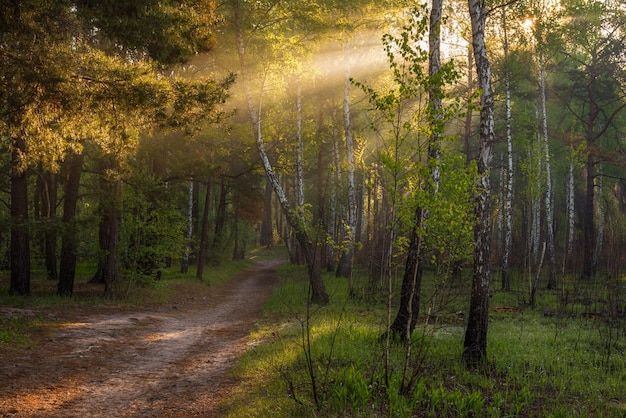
(169,362)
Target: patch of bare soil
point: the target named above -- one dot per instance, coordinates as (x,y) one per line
(170,361)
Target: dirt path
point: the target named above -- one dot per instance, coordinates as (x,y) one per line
(166,362)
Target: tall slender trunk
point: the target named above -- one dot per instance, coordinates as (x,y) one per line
(184,267)
(111,188)
(549,195)
(204,232)
(600,227)
(220,221)
(20,237)
(589,228)
(570,208)
(508,193)
(299,183)
(267,230)
(318,290)
(344,267)
(535,186)
(408,312)
(69,241)
(475,343)
(50,234)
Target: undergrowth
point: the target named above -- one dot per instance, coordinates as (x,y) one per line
(328,361)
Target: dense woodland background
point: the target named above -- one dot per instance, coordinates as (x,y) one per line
(141,135)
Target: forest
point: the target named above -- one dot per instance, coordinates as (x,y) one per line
(462,161)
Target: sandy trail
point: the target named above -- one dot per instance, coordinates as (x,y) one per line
(169,362)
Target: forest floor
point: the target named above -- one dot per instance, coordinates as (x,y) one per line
(169,360)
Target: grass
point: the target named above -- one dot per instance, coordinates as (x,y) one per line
(329,361)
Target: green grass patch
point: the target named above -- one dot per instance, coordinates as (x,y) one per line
(329,361)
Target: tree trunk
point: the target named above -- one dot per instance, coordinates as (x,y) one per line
(408,311)
(69,242)
(318,290)
(184,267)
(220,221)
(50,234)
(204,232)
(344,267)
(267,231)
(508,193)
(110,189)
(299,181)
(589,230)
(570,209)
(600,227)
(549,195)
(475,343)
(20,238)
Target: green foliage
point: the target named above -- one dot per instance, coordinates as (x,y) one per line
(152,228)
(450,223)
(169,31)
(539,365)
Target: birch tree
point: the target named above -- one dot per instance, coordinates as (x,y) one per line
(507,204)
(294,218)
(344,267)
(475,343)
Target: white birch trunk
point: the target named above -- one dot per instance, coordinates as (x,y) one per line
(349,147)
(549,195)
(600,227)
(570,206)
(500,214)
(318,290)
(475,343)
(535,236)
(344,268)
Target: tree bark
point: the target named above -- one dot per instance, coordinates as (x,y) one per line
(220,221)
(408,312)
(344,267)
(570,209)
(318,290)
(267,230)
(508,194)
(549,204)
(50,234)
(110,188)
(69,242)
(184,266)
(20,237)
(600,224)
(204,232)
(475,343)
